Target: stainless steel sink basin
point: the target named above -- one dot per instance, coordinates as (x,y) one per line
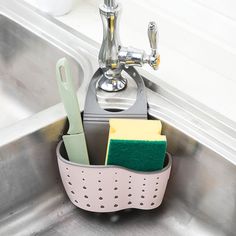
(201,194)
(27,72)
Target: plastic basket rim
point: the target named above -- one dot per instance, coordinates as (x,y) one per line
(168,166)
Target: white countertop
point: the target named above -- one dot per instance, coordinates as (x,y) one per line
(197,43)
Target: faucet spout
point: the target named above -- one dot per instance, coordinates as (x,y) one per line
(113,57)
(110,3)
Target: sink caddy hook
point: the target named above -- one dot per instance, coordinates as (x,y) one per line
(100,188)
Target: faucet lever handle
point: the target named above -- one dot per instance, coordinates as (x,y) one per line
(154,58)
(153,35)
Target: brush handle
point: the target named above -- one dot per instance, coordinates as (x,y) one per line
(68,96)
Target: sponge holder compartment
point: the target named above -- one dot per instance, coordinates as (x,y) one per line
(100,188)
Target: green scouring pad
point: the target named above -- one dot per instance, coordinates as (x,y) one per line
(136,144)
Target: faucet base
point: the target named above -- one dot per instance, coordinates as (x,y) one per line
(114,84)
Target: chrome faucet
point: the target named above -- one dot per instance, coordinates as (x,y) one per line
(113,57)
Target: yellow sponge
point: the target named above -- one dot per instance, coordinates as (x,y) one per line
(136,144)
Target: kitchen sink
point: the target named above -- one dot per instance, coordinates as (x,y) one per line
(201,193)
